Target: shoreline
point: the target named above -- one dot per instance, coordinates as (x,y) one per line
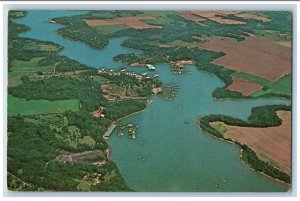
(248,166)
(147,104)
(116,121)
(241,154)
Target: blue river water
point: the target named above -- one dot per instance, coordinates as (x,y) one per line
(170,153)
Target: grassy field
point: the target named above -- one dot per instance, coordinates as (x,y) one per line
(34,45)
(21,106)
(253,78)
(88,140)
(21,68)
(280,87)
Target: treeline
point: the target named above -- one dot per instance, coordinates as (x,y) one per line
(250,158)
(263,116)
(110,14)
(124,108)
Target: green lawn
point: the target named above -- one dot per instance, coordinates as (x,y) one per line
(280,87)
(21,68)
(21,106)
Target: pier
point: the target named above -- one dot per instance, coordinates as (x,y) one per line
(109,131)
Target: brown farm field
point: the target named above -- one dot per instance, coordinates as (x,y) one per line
(252,16)
(272,144)
(260,56)
(190,16)
(243,86)
(216,16)
(213,16)
(132,22)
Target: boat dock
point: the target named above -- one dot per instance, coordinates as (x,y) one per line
(132,130)
(121,129)
(109,131)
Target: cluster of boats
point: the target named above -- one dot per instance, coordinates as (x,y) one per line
(131,130)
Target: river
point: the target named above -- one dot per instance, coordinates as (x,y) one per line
(170,153)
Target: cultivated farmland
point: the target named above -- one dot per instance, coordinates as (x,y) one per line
(243,86)
(132,22)
(259,56)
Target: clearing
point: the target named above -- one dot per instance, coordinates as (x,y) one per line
(113,91)
(23,107)
(282,86)
(95,156)
(22,68)
(272,144)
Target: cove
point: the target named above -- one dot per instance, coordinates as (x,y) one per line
(177,155)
